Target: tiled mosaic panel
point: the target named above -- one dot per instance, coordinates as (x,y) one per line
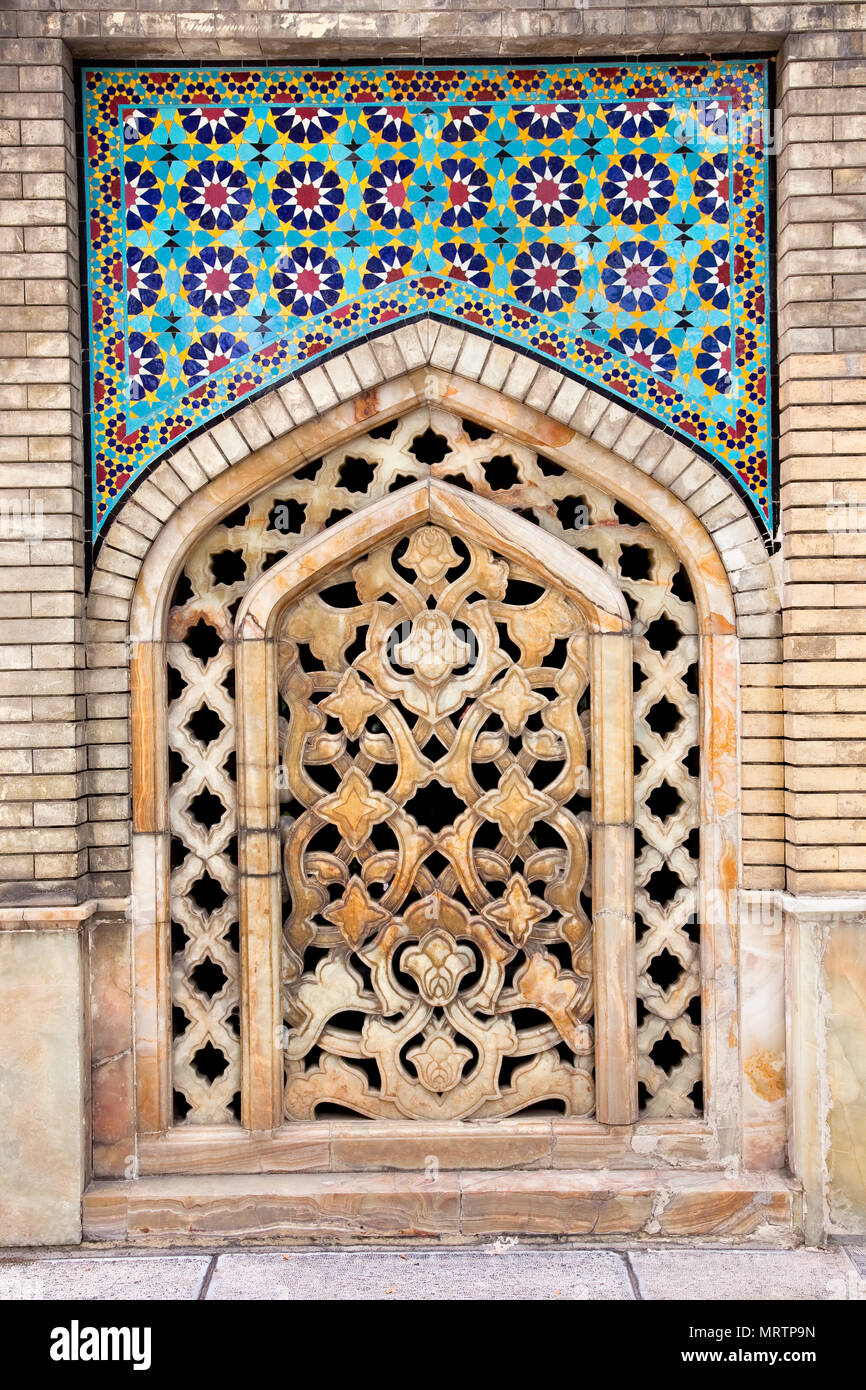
(243,224)
(219,571)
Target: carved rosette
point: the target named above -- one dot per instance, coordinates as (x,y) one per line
(437,947)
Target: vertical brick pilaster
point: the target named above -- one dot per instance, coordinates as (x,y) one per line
(822,363)
(42,744)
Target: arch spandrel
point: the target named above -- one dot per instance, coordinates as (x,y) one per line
(440,504)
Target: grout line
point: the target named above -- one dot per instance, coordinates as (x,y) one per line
(626,1256)
(206,1281)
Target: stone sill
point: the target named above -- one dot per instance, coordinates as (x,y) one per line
(455,1207)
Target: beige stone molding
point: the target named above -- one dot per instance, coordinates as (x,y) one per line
(356,1145)
(823,904)
(58,918)
(773,900)
(419,32)
(652,1204)
(441,504)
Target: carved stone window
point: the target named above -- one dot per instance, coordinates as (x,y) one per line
(440,768)
(438,947)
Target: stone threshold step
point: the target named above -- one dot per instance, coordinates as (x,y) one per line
(762,1208)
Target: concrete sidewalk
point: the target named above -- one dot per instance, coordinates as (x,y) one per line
(505,1270)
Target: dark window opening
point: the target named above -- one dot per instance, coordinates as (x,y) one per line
(228,567)
(429,447)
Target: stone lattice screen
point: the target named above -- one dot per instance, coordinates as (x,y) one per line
(205,985)
(436,758)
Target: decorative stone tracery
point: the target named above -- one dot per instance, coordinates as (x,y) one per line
(454,682)
(249,542)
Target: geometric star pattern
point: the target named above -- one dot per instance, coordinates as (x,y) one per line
(243,224)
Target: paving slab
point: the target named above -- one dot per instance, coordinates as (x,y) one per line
(104,1277)
(419,1274)
(503,1271)
(692,1275)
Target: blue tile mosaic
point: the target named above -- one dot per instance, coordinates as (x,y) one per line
(245,223)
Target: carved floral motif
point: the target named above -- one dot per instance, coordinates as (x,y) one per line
(513,899)
(437,923)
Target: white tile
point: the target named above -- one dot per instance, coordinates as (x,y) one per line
(337,1275)
(752,1274)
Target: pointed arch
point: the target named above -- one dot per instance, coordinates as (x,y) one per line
(245,470)
(605,613)
(584,457)
(441,504)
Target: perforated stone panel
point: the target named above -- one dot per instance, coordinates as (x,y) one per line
(438,953)
(429,441)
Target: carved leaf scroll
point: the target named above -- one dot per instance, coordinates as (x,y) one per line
(434,875)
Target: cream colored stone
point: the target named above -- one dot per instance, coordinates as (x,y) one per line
(42,1078)
(365,366)
(762,1014)
(338,371)
(520,377)
(845,976)
(497,366)
(472,356)
(566,400)
(296,400)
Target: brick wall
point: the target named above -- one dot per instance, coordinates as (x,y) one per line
(822,363)
(59,817)
(42,699)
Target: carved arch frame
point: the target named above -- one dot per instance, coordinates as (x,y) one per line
(608,624)
(717,1137)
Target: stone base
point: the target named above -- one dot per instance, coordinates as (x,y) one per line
(455,1207)
(42,1087)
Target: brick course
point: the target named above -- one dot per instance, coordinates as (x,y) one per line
(41,477)
(822,336)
